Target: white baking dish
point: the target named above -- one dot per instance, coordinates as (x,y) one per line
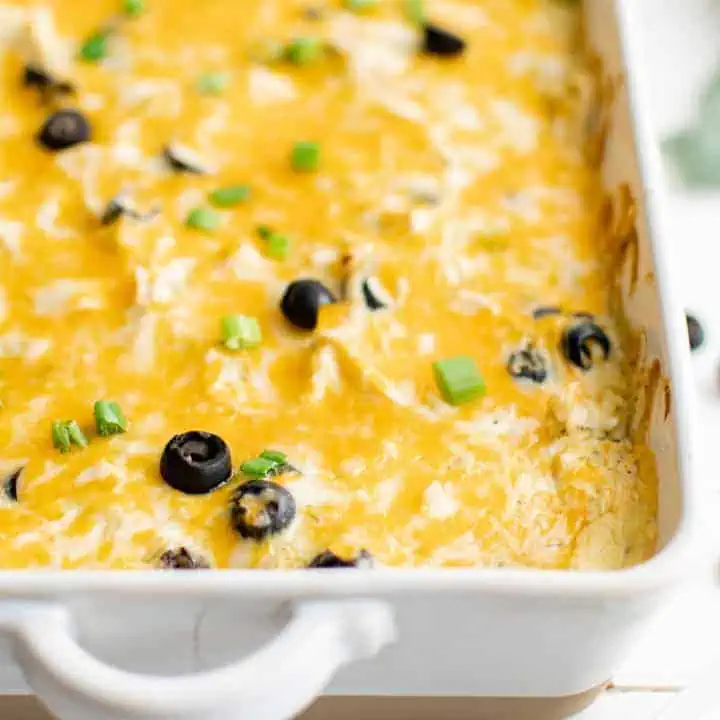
(263,645)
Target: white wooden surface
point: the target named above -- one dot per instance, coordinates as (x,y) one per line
(682,51)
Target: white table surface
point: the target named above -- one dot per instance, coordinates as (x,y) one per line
(682,51)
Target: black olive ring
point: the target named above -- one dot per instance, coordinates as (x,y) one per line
(11,484)
(182,559)
(578,341)
(64,129)
(527,363)
(260,508)
(329,559)
(302,301)
(196,462)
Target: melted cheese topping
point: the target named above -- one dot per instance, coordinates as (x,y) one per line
(459,184)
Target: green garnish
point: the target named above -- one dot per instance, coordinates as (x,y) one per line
(275,456)
(278,246)
(360,6)
(304,50)
(258,467)
(459,379)
(96,47)
(240,332)
(204,219)
(229,196)
(305,156)
(415,11)
(268,51)
(133,8)
(213,83)
(65,434)
(109,418)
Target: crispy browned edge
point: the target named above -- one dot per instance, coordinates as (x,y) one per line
(617,237)
(356,707)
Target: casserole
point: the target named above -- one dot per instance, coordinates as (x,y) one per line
(487,633)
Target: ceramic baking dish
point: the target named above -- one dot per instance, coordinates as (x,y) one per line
(484,643)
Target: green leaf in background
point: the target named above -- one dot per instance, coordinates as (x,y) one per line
(694,152)
(696,157)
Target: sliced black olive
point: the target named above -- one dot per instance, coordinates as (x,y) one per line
(437,41)
(374,294)
(302,301)
(11,484)
(122,205)
(260,508)
(329,559)
(578,341)
(546,311)
(696,334)
(64,129)
(182,559)
(36,77)
(196,462)
(529,364)
(183,160)
(115,209)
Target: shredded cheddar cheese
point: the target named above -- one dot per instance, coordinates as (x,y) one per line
(447,199)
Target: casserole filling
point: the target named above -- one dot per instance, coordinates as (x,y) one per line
(291,283)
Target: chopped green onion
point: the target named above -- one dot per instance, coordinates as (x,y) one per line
(278,246)
(76,434)
(240,332)
(264,231)
(109,418)
(415,11)
(204,219)
(268,51)
(304,50)
(305,156)
(66,433)
(96,47)
(459,379)
(133,8)
(213,83)
(279,458)
(60,436)
(229,196)
(360,6)
(258,467)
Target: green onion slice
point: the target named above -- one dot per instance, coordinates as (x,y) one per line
(229,196)
(133,8)
(279,458)
(304,50)
(305,156)
(258,467)
(458,379)
(360,6)
(415,11)
(240,332)
(204,219)
(96,47)
(65,434)
(213,83)
(109,418)
(278,246)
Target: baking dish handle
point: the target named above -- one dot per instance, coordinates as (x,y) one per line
(276,682)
